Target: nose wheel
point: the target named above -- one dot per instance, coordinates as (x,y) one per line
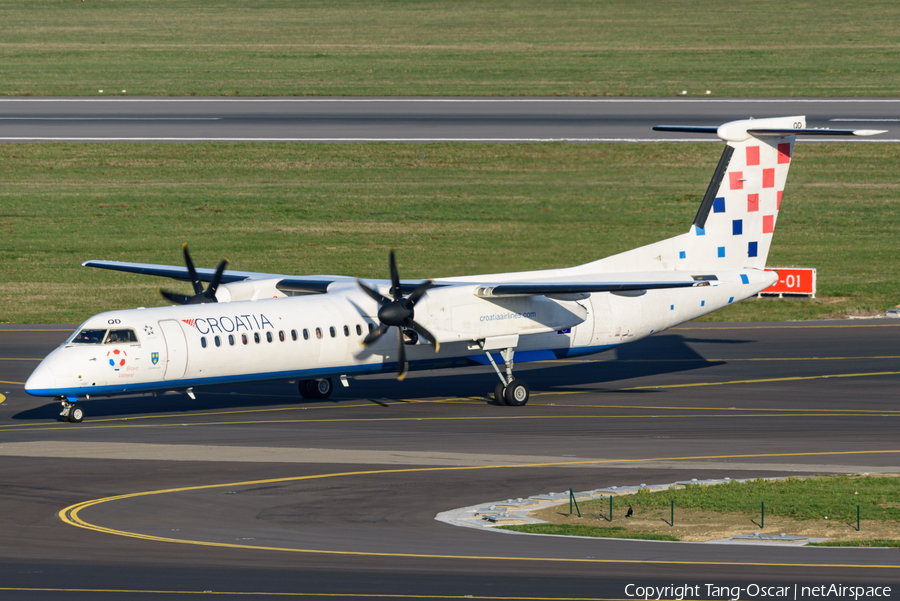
(508,391)
(72,412)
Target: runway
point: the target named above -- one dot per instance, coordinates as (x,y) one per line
(254,491)
(346,120)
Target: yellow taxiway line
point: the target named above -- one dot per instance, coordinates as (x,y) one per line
(70,515)
(64,427)
(277,594)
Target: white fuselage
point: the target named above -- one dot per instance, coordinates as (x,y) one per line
(318,336)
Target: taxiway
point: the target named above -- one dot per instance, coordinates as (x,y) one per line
(253,490)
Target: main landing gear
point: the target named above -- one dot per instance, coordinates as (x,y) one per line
(71,411)
(316,389)
(509,391)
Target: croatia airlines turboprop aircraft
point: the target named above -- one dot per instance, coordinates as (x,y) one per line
(259,327)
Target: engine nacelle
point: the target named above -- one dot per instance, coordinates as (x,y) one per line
(249,290)
(456,314)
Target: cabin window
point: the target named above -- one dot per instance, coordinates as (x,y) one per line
(294,335)
(358,330)
(218,341)
(319,333)
(346,331)
(256,337)
(121,337)
(281,335)
(87,336)
(268,336)
(244,338)
(371,327)
(203,341)
(305,334)
(231,339)
(332,332)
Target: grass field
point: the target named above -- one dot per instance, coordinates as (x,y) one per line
(821,507)
(448,209)
(797,498)
(525,47)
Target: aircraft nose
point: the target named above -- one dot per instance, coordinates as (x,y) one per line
(41,380)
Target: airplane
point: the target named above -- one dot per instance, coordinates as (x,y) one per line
(248,327)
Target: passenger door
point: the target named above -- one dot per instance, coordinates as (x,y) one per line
(176,349)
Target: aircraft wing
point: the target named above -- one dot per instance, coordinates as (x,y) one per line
(177,272)
(555,288)
(314,284)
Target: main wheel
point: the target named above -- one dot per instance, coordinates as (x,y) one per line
(305,388)
(76,414)
(322,389)
(516,393)
(499,391)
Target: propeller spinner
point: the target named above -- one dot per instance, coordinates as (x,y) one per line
(200,296)
(398,312)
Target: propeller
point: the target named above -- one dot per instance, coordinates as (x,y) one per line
(200,296)
(398,312)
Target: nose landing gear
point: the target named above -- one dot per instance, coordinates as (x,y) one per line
(71,411)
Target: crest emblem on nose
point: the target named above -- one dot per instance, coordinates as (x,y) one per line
(154,358)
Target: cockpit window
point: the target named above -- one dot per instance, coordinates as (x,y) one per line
(88,336)
(120,337)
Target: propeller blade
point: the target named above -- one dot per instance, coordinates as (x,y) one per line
(419,291)
(421,331)
(395,278)
(376,296)
(195,281)
(216,280)
(374,335)
(401,355)
(178,299)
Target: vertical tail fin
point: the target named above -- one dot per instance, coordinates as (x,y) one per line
(734,225)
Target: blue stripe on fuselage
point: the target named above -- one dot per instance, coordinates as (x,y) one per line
(308,374)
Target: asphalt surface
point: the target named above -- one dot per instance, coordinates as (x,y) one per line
(270,495)
(419,119)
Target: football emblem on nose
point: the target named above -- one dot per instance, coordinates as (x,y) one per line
(116,359)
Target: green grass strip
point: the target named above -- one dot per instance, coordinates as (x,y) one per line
(593,531)
(440,48)
(858,543)
(834,497)
(448,209)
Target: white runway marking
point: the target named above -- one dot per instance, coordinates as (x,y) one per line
(417,140)
(111,118)
(477,100)
(111,139)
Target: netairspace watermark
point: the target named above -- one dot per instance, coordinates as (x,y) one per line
(750,592)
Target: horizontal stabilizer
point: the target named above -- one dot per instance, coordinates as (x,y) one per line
(690,129)
(815,131)
(739,131)
(806,131)
(531,288)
